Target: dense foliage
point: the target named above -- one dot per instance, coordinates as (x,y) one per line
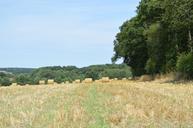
(185,65)
(5,78)
(151,41)
(66,73)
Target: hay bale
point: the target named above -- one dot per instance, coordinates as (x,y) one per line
(115,79)
(144,78)
(14,84)
(105,79)
(51,81)
(124,79)
(77,81)
(130,78)
(67,82)
(42,82)
(88,80)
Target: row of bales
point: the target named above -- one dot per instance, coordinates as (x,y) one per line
(86,80)
(90,80)
(78,81)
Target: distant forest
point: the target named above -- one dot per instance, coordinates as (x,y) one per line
(158,39)
(24,76)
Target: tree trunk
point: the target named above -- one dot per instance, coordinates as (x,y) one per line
(190,40)
(190,35)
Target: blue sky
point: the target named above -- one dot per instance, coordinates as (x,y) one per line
(36,33)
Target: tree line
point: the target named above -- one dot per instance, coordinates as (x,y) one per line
(63,74)
(158,39)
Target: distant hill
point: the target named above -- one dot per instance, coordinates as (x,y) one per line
(16,70)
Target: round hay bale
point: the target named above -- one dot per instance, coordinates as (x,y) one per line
(88,80)
(144,78)
(14,84)
(130,78)
(77,81)
(115,79)
(42,82)
(105,79)
(124,79)
(67,82)
(51,81)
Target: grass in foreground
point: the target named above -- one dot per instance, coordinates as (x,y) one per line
(112,105)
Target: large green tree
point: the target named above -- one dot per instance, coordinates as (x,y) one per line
(163,29)
(130,45)
(179,16)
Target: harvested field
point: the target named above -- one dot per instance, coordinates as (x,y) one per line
(118,104)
